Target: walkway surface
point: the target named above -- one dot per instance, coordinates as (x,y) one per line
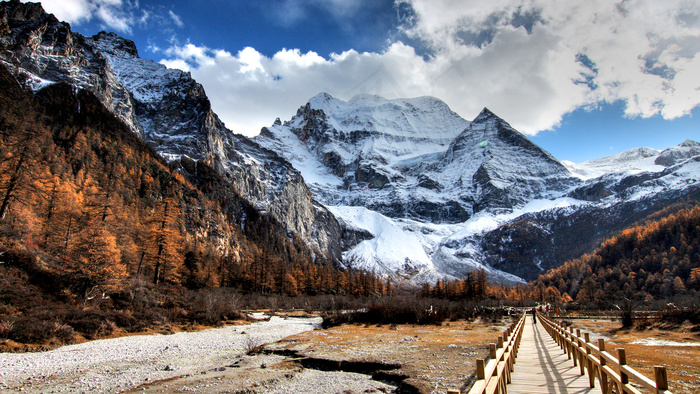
(542,367)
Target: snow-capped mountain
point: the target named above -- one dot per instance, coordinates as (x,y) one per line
(629,161)
(443,196)
(414,174)
(413,158)
(360,152)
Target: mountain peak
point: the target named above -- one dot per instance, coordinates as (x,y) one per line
(17,10)
(689,143)
(318,100)
(117,43)
(484,115)
(677,154)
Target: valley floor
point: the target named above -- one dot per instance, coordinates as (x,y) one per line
(296,356)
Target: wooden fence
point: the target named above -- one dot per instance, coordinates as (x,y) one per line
(493,374)
(612,372)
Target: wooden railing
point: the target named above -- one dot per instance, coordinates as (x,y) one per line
(612,372)
(493,374)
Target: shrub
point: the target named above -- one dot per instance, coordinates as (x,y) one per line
(6,328)
(63,332)
(91,323)
(32,330)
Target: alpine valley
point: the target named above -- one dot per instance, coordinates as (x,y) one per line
(404,188)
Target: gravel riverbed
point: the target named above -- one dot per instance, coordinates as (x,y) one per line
(119,364)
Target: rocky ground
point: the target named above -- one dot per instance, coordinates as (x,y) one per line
(119,364)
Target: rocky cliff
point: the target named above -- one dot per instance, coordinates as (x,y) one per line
(167,108)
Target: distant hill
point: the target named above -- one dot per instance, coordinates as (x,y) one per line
(659,260)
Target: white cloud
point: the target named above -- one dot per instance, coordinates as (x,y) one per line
(530,61)
(117,15)
(643,52)
(113,14)
(68,10)
(176,19)
(249,90)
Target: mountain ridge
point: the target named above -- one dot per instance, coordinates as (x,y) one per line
(168,109)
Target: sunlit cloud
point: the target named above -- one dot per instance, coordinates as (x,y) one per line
(113,14)
(530,61)
(643,52)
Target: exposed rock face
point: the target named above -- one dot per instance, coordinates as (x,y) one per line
(678,154)
(501,166)
(167,108)
(389,156)
(40,50)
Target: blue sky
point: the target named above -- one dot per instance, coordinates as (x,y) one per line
(584,79)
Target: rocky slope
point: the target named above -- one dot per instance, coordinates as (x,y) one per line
(167,108)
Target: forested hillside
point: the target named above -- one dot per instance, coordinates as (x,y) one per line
(91,216)
(659,260)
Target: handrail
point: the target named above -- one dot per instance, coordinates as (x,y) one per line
(611,372)
(493,374)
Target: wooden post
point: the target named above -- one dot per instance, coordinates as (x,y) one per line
(492,353)
(480,370)
(500,342)
(452,391)
(622,359)
(589,363)
(579,353)
(660,378)
(603,375)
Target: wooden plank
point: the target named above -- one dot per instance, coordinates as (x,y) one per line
(543,367)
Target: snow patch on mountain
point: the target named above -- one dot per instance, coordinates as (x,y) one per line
(422,251)
(488,221)
(315,173)
(147,80)
(391,250)
(631,161)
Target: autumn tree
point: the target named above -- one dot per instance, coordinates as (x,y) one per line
(163,248)
(96,259)
(64,219)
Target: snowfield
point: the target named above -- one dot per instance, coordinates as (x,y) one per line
(113,365)
(392,249)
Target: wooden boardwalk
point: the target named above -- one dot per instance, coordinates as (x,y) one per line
(542,367)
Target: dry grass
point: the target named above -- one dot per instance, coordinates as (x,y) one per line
(434,357)
(682,361)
